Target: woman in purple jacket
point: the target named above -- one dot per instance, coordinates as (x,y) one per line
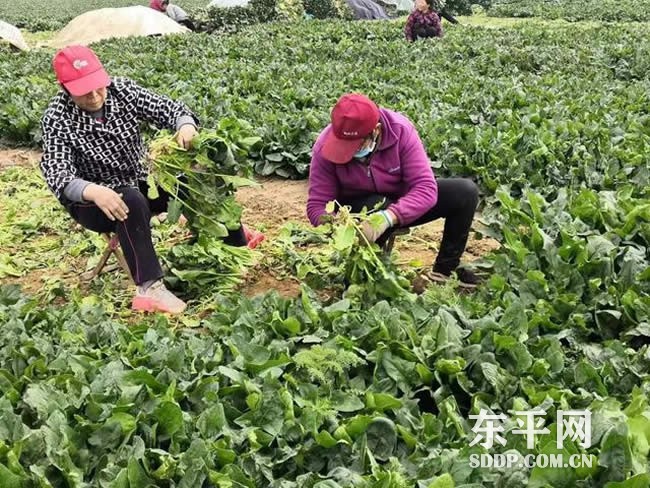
(368,155)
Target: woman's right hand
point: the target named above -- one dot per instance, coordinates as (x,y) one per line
(107,200)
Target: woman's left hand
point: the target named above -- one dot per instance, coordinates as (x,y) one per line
(374,232)
(185,135)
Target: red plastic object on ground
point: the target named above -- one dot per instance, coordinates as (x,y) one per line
(253,237)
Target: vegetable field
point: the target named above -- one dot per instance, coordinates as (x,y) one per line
(342,372)
(54,14)
(572,10)
(500,104)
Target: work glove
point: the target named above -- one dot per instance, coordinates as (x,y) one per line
(378,223)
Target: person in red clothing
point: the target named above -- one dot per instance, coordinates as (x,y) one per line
(423,22)
(371,156)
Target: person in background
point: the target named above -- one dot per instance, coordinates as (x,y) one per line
(423,22)
(174,12)
(369,156)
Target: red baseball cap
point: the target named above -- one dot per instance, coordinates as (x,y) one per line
(79,70)
(354,117)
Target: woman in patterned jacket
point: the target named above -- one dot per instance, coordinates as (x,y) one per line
(93,162)
(424,21)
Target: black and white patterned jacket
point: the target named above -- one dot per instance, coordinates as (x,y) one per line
(110,153)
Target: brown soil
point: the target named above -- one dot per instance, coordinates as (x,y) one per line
(18,157)
(262,281)
(31,284)
(420,247)
(36,281)
(274,203)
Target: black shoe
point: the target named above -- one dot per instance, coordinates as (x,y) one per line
(466,277)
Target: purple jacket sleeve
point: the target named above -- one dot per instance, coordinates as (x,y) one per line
(422,193)
(323,187)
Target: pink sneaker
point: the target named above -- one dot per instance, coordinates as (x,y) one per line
(157,298)
(253,237)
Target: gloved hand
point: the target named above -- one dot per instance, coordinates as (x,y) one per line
(374,228)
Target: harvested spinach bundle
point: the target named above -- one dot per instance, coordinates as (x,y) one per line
(203,179)
(207,266)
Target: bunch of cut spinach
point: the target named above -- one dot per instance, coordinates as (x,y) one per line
(202,182)
(337,255)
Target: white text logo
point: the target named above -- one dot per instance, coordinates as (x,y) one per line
(515,460)
(572,424)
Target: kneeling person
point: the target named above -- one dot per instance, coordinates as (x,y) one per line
(423,22)
(368,155)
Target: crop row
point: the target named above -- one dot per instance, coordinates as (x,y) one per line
(575,10)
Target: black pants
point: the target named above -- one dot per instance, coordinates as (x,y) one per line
(188,23)
(424,31)
(135,232)
(457,201)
